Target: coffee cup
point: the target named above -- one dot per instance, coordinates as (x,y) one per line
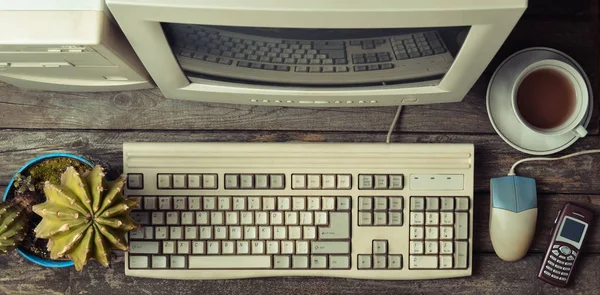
(550,97)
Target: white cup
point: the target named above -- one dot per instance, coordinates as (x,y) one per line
(574,123)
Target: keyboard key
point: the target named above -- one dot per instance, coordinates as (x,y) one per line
(176,233)
(339,227)
(461,255)
(395,218)
(261,181)
(462,204)
(281,261)
(164,203)
(216,218)
(231,218)
(191,232)
(294,233)
(365,181)
(339,262)
(279,232)
(431,232)
(179,181)
(365,203)
(446,248)
(287,247)
(277,181)
(291,218)
(268,203)
(246,181)
(299,181)
(416,247)
(209,181)
(158,218)
(230,261)
(432,204)
(164,181)
(194,203)
(276,218)
(396,182)
(328,203)
(284,203)
(179,203)
(265,232)
(446,232)
(379,247)
(254,203)
(220,233)
(139,247)
(210,203)
(395,203)
(302,247)
(344,181)
(142,218)
(318,261)
(432,218)
(272,247)
(135,181)
(365,218)
(239,203)
(380,218)
(431,247)
(224,203)
(138,262)
(394,261)
(310,233)
(159,261)
(381,202)
(300,261)
(261,218)
(172,218)
(417,218)
(231,181)
(314,203)
(306,218)
(417,203)
(343,203)
(313,181)
(423,262)
(461,227)
(202,218)
(445,261)
(447,218)
(364,262)
(321,218)
(183,247)
(447,203)
(299,203)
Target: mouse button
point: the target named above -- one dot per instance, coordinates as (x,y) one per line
(503,193)
(526,193)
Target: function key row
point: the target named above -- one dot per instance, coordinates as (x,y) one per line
(439,204)
(186,181)
(380,181)
(321,181)
(254,181)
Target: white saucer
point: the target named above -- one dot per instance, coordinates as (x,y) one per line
(504,119)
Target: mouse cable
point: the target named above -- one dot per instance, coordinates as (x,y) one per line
(388,138)
(512,169)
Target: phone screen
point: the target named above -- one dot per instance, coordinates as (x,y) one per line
(572,230)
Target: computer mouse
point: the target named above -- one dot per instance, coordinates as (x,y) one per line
(513,215)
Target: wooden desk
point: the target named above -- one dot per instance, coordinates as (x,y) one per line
(96,125)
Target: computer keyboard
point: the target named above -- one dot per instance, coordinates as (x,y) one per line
(353,210)
(217,52)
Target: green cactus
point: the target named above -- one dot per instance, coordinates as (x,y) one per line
(85,217)
(13,222)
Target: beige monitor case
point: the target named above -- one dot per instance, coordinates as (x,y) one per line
(66,45)
(490,23)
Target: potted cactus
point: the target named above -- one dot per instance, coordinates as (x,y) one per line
(63,212)
(85,217)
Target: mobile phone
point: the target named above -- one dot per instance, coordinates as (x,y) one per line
(568,234)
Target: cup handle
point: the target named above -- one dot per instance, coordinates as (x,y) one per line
(580,131)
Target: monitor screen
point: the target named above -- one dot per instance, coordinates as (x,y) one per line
(572,230)
(315,57)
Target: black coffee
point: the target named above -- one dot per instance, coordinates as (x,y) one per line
(546,98)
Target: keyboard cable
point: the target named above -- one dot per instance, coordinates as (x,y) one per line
(514,166)
(388,138)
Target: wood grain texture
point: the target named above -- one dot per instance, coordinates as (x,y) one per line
(490,276)
(493,157)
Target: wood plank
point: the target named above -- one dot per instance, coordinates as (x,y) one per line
(493,156)
(490,276)
(148,109)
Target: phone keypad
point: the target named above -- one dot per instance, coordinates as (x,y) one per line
(560,262)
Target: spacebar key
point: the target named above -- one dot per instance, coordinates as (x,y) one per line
(230,261)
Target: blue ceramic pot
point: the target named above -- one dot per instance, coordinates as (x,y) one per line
(31,257)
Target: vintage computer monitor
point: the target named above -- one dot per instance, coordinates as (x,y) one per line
(66,45)
(316,53)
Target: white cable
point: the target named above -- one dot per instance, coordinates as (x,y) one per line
(388,139)
(514,166)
